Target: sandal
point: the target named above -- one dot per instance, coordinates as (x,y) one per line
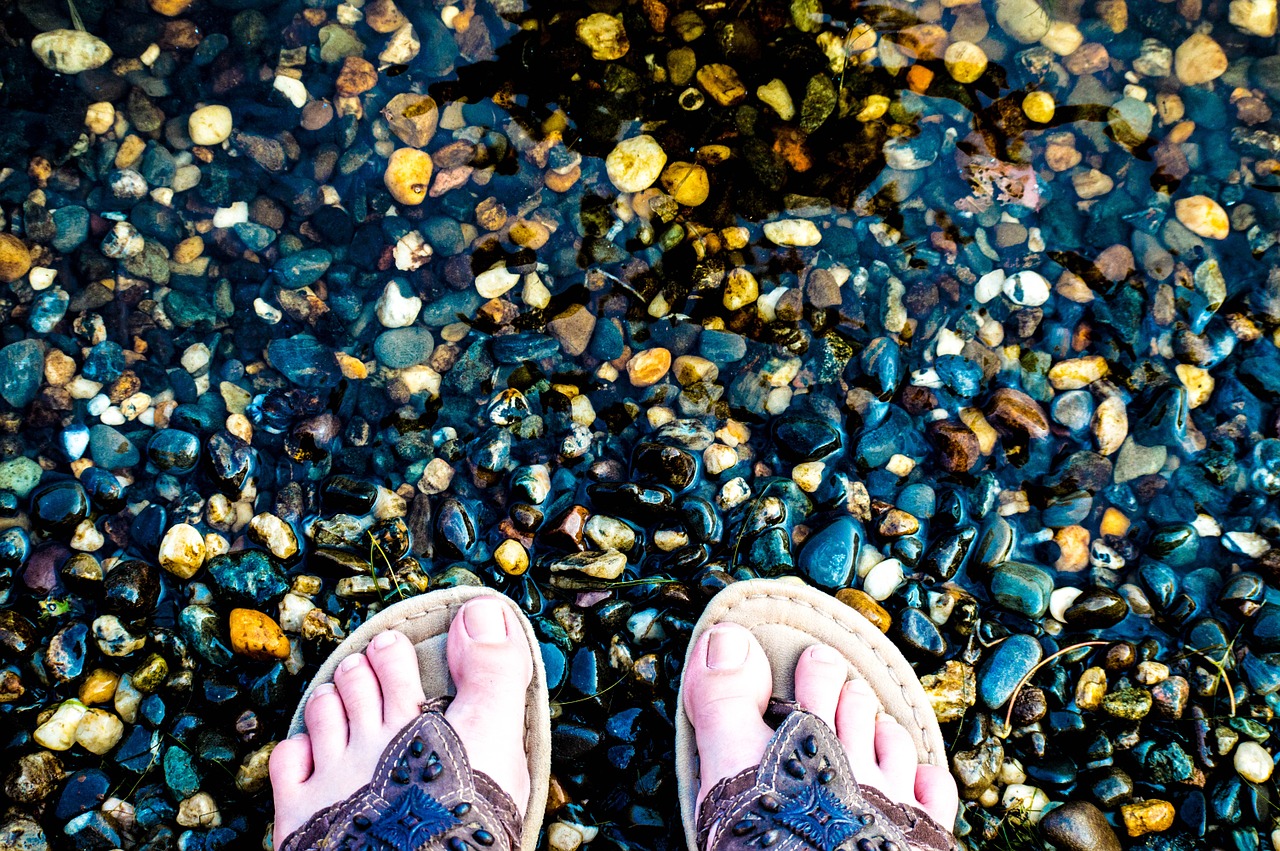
(803,795)
(424,794)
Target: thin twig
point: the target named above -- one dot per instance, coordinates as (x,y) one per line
(1013,698)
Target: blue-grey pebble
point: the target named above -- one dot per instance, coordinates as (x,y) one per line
(110,449)
(400,348)
(999,675)
(21,368)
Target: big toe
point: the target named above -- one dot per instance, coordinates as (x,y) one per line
(726,691)
(490,664)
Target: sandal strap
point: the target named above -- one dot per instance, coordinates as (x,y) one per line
(424,796)
(803,797)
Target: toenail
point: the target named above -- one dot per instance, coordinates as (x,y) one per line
(727,649)
(826,655)
(484,622)
(350,662)
(861,686)
(383,639)
(323,688)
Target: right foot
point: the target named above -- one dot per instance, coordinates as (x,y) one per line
(727,687)
(376,693)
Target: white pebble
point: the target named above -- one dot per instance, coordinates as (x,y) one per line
(237,213)
(1060,600)
(988,286)
(799,232)
(1030,799)
(1027,288)
(885,578)
(97,405)
(394,309)
(495,282)
(293,89)
(210,125)
(266,312)
(1253,762)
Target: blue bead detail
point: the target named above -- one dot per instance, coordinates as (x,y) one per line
(818,817)
(416,818)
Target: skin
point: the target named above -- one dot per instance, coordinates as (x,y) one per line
(376,693)
(726,689)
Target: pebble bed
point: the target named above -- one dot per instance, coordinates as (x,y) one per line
(965,312)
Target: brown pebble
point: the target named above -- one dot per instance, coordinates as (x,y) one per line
(957,445)
(1017,412)
(15,258)
(316,114)
(865,605)
(573,328)
(356,77)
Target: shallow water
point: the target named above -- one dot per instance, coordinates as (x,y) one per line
(951,309)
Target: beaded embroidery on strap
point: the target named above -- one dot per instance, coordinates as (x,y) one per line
(803,797)
(424,796)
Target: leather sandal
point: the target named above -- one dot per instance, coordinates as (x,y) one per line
(424,795)
(803,795)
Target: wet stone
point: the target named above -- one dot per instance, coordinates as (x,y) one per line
(1000,673)
(829,556)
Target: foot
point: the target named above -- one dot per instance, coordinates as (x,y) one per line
(726,691)
(376,693)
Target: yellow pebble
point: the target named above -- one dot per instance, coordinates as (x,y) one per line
(408,175)
(1039,107)
(511,557)
(1114,523)
(874,107)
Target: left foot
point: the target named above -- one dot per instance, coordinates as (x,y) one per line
(375,694)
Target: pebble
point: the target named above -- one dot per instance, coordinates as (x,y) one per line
(1025,21)
(634,164)
(1198,60)
(408,175)
(210,125)
(1039,106)
(1203,216)
(792,232)
(1253,762)
(606,37)
(965,61)
(396,310)
(1148,816)
(884,579)
(256,636)
(70,51)
(1078,826)
(648,366)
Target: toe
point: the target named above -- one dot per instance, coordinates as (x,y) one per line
(358,687)
(326,724)
(896,756)
(935,789)
(490,664)
(820,676)
(726,691)
(290,763)
(856,727)
(395,663)
(486,650)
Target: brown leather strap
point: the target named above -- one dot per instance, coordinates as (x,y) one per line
(803,797)
(424,796)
